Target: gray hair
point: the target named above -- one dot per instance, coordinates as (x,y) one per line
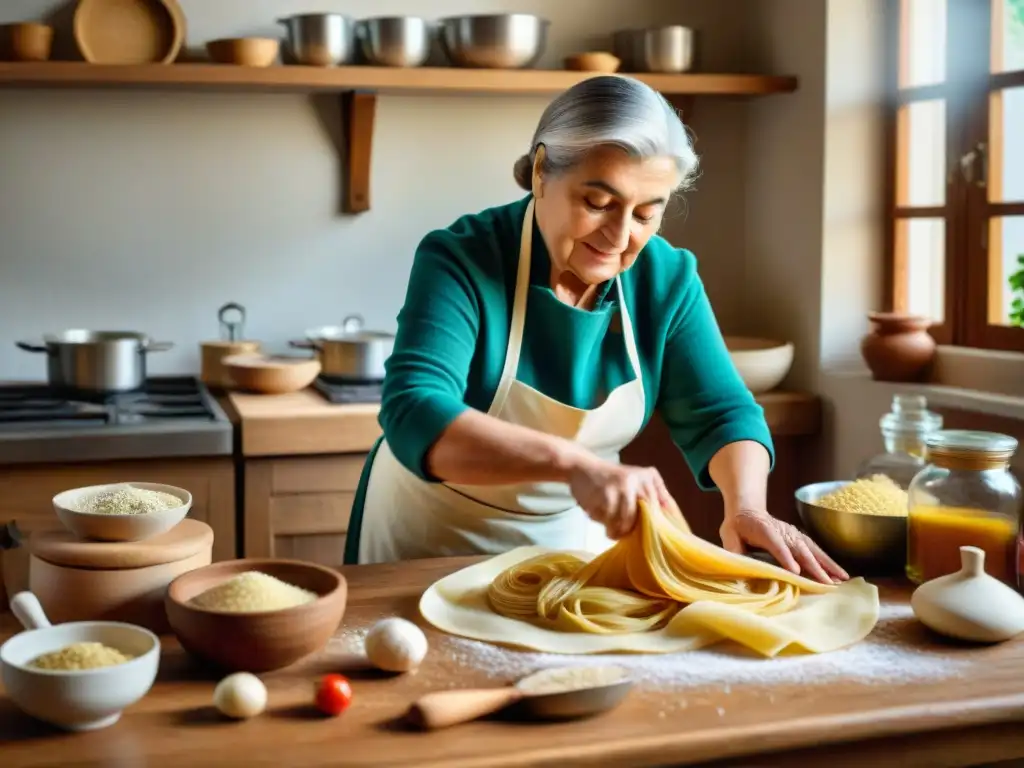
(608,110)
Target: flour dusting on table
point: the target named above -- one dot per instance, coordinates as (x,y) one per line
(898,651)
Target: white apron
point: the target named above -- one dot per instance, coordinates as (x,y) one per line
(406,518)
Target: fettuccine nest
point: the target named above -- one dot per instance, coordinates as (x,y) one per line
(642,581)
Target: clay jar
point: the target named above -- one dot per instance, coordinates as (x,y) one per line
(899,347)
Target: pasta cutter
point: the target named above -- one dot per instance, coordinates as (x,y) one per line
(552,694)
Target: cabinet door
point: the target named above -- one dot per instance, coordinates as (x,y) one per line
(299,507)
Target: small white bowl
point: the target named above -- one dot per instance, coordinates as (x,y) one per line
(103,527)
(76,700)
(762,363)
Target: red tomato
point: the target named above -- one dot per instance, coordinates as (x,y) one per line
(333,695)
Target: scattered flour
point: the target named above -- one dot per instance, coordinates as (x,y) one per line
(899,650)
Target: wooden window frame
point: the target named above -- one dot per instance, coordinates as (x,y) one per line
(973,96)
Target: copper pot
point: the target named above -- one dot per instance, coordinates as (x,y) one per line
(899,347)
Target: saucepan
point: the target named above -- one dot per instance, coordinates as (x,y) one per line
(348,352)
(97,362)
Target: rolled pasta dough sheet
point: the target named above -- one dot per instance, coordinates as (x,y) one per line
(457,604)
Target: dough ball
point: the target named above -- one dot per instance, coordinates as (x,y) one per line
(240,696)
(396,645)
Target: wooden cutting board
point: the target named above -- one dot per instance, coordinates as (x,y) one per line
(62,548)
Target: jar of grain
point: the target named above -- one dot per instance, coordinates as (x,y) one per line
(965,496)
(904,432)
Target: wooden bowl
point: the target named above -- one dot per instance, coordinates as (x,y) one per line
(104,527)
(271,374)
(257,642)
(129,31)
(593,61)
(26,42)
(762,363)
(244,51)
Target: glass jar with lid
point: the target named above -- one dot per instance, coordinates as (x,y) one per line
(964,496)
(904,431)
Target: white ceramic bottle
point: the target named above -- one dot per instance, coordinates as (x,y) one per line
(969,604)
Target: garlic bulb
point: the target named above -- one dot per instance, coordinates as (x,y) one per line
(240,696)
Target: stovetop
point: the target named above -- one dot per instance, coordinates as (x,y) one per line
(169,398)
(169,417)
(348,392)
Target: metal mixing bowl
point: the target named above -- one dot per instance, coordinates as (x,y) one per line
(319,39)
(659,49)
(394,41)
(863,544)
(497,41)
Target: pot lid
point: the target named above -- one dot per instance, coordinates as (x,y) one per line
(187,538)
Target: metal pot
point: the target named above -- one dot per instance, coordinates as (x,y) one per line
(348,353)
(660,49)
(96,362)
(319,39)
(494,41)
(394,41)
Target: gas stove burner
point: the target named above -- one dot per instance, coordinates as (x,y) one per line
(347,392)
(159,399)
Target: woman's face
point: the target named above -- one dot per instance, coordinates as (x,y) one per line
(598,216)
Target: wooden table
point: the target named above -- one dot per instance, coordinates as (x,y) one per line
(969,721)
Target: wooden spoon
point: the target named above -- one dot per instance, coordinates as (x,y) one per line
(551,694)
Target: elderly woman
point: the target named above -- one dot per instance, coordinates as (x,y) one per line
(536,340)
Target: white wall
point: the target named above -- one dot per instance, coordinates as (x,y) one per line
(148,211)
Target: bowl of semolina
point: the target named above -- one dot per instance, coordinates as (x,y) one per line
(256,615)
(128,511)
(78,676)
(861,523)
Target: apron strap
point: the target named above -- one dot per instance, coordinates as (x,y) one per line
(515,331)
(627,331)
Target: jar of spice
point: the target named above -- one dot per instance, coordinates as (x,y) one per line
(904,432)
(965,496)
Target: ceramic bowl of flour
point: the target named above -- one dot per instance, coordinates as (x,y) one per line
(128,511)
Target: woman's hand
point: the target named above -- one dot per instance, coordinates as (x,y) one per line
(793,550)
(609,492)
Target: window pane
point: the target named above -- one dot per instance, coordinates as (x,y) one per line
(923,54)
(1006,271)
(1006,146)
(921,169)
(921,252)
(1007,35)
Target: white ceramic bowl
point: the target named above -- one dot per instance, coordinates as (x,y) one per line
(103,527)
(77,700)
(762,363)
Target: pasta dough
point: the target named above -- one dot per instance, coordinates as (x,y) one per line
(659,590)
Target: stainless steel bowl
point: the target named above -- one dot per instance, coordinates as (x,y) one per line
(497,41)
(659,49)
(863,544)
(394,41)
(319,39)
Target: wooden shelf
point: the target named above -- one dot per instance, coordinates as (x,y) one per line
(358,87)
(73,74)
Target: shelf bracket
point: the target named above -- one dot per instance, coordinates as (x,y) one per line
(358,109)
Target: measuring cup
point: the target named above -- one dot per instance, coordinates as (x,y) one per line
(551,694)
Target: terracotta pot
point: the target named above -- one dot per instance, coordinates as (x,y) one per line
(899,347)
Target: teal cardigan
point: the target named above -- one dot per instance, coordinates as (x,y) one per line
(453,333)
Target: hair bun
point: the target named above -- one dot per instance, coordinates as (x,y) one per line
(523,172)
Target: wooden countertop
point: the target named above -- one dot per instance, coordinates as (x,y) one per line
(305,423)
(963,721)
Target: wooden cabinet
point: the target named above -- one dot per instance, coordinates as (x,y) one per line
(26,495)
(299,507)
